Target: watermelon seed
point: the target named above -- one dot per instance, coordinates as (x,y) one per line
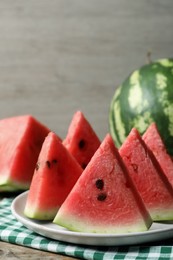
(101,196)
(48,164)
(54,161)
(99,184)
(84,165)
(81,144)
(37,166)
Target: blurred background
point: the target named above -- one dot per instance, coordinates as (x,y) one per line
(60,56)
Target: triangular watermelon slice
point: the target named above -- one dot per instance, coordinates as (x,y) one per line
(155,143)
(81,140)
(21,139)
(151,182)
(55,174)
(104,199)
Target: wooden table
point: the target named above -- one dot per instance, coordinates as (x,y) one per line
(60,56)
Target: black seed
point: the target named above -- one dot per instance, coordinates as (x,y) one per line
(54,161)
(99,184)
(81,144)
(83,165)
(37,166)
(48,164)
(101,196)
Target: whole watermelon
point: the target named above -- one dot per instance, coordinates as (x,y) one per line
(146,96)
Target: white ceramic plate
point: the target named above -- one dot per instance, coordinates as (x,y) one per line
(158,231)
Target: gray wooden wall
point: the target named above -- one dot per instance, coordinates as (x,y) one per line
(58,56)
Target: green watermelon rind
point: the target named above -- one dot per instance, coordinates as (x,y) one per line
(8,188)
(74,224)
(112,124)
(32,213)
(165,214)
(11,185)
(133,106)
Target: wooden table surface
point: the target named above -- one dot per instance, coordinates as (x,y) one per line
(60,56)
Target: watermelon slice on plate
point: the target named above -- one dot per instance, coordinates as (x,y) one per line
(154,141)
(55,174)
(21,139)
(81,140)
(151,182)
(104,199)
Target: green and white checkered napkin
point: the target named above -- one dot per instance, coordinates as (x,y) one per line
(14,232)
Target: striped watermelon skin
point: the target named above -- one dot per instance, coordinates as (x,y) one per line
(146,96)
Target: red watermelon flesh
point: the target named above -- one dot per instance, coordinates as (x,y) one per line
(104,199)
(155,143)
(21,139)
(55,174)
(81,140)
(148,176)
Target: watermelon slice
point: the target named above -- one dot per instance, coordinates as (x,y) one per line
(55,174)
(155,143)
(104,199)
(21,139)
(81,140)
(151,182)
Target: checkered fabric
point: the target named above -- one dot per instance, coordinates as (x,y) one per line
(14,232)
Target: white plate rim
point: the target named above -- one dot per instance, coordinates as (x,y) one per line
(159,231)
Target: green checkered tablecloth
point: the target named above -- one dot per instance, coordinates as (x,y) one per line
(14,232)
